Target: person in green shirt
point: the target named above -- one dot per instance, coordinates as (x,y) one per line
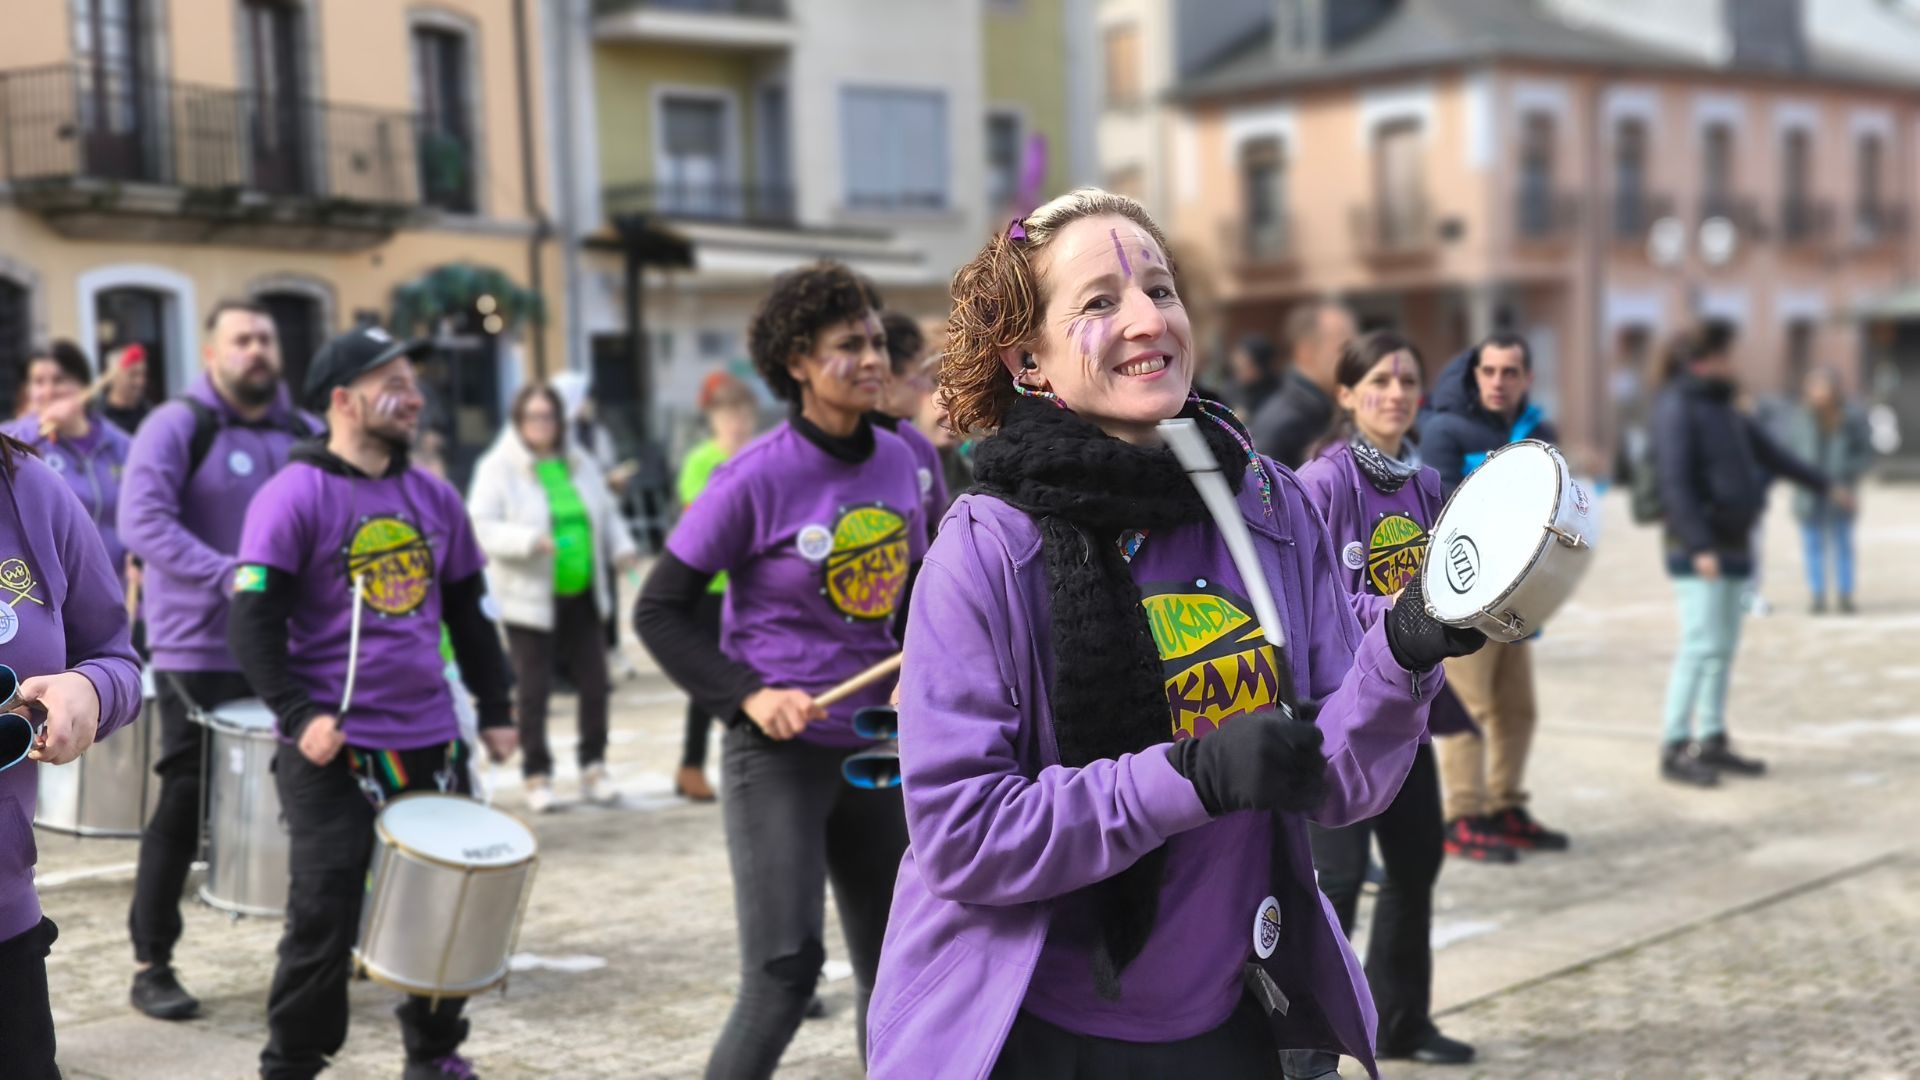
(546,520)
(732,417)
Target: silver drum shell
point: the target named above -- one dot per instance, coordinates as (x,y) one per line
(111,790)
(246,835)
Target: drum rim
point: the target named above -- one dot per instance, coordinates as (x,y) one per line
(394,982)
(382,833)
(1533,560)
(212,720)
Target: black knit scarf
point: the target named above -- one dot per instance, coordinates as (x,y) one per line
(1083,488)
(1387,474)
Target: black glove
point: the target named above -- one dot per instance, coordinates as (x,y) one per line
(1419,641)
(1262,761)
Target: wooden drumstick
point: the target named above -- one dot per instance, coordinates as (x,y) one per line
(860,682)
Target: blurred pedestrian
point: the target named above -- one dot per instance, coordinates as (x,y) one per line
(63,425)
(1480,404)
(546,521)
(1712,461)
(1250,367)
(1297,415)
(733,416)
(125,402)
(1380,502)
(1831,434)
(908,387)
(819,526)
(579,422)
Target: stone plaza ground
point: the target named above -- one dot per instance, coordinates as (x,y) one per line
(1770,928)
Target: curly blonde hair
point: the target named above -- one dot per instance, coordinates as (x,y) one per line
(998,304)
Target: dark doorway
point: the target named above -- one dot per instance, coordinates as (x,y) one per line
(16,337)
(124,316)
(275,117)
(110,41)
(301,326)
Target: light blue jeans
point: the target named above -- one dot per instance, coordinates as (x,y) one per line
(1831,535)
(1710,612)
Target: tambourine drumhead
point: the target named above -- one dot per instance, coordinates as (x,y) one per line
(1490,532)
(247,714)
(455,829)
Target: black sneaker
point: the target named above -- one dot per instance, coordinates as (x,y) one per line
(1819,605)
(1519,829)
(1846,605)
(1435,1049)
(816,1009)
(1474,838)
(1714,751)
(1680,764)
(158,994)
(449,1067)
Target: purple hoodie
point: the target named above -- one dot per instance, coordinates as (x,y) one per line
(91,466)
(68,615)
(1381,539)
(186,529)
(1001,831)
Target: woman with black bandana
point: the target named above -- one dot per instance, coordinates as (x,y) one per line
(817,524)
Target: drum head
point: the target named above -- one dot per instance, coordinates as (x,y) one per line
(455,829)
(249,714)
(1490,531)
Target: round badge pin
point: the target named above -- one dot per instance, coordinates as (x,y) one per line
(9,622)
(926,480)
(1353,555)
(815,543)
(240,463)
(1266,928)
(57,462)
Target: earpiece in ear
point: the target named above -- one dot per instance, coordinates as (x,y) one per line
(1026,361)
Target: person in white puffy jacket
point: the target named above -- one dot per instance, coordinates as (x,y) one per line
(547,523)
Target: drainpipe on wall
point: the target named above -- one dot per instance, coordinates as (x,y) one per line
(529,181)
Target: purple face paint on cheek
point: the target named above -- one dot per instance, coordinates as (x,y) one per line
(387,405)
(1126,268)
(840,367)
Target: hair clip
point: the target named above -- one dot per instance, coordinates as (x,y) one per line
(1016,230)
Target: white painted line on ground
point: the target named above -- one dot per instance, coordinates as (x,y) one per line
(571,964)
(85,873)
(1444,934)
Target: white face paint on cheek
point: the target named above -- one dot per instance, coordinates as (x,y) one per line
(388,406)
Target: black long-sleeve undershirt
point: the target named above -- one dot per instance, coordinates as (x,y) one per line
(664,621)
(257,633)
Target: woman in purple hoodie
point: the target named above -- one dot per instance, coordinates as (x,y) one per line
(1108,771)
(1380,503)
(63,631)
(74,439)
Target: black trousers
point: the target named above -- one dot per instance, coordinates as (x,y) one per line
(26,1027)
(172,838)
(1400,951)
(1239,1049)
(706,616)
(793,824)
(330,843)
(576,635)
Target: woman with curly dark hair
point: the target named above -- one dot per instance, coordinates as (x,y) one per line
(817,524)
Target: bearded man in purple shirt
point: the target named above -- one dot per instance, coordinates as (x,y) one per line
(1108,770)
(351,517)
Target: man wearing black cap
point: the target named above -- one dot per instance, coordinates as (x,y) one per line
(351,533)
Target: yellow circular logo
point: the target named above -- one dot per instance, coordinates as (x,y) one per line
(867,568)
(396,562)
(1397,547)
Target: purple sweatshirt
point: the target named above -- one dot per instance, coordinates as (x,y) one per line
(67,614)
(187,528)
(91,466)
(1001,832)
(1382,539)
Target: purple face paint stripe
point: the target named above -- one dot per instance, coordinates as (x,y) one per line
(1126,268)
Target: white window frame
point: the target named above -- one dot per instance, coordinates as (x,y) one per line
(944,167)
(730,144)
(1018,114)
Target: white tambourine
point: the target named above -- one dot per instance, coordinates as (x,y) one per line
(1511,544)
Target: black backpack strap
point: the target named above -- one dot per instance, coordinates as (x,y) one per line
(206,425)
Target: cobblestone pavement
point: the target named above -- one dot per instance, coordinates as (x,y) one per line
(1768,928)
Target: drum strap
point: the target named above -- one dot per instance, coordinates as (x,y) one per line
(383,774)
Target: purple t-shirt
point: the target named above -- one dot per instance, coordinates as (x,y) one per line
(927,471)
(1217,666)
(816,551)
(408,534)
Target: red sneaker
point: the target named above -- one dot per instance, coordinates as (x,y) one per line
(1475,838)
(1519,829)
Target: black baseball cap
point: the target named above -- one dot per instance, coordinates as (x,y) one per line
(345,357)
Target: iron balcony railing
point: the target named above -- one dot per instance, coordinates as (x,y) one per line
(1742,211)
(746,204)
(1264,243)
(1634,212)
(1543,215)
(1878,224)
(67,123)
(759,8)
(1394,228)
(1805,222)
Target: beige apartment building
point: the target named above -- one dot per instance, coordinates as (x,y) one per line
(1594,175)
(345,161)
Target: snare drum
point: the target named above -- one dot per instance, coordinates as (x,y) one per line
(449,880)
(111,790)
(247,840)
(1511,543)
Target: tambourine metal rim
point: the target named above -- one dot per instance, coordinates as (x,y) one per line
(380,828)
(1550,533)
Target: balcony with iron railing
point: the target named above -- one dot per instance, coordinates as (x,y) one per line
(1265,245)
(761,205)
(164,160)
(1634,212)
(719,24)
(1396,229)
(1805,223)
(1877,225)
(1543,217)
(1743,212)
